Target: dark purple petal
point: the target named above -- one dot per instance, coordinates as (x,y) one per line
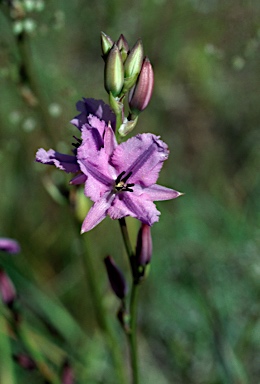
(66,163)
(96,108)
(143,156)
(97,212)
(9,245)
(79,179)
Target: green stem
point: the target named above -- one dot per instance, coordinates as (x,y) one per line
(133,306)
(126,238)
(132,335)
(101,315)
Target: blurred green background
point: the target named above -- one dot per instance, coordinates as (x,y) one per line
(199,313)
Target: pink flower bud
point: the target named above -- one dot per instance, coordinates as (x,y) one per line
(67,374)
(25,361)
(144,245)
(7,289)
(116,278)
(140,95)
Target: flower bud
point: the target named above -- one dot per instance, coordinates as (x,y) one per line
(114,72)
(134,60)
(25,361)
(123,47)
(144,245)
(116,278)
(67,374)
(140,95)
(106,44)
(7,289)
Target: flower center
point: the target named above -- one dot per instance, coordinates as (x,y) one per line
(121,184)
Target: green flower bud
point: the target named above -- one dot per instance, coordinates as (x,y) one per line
(123,47)
(114,71)
(134,60)
(140,95)
(106,44)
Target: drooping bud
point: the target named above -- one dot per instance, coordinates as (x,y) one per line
(7,289)
(116,278)
(9,245)
(123,47)
(106,44)
(114,72)
(140,95)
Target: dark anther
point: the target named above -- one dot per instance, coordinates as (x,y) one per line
(79,141)
(127,177)
(121,185)
(119,177)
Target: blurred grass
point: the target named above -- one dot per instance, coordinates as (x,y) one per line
(199,315)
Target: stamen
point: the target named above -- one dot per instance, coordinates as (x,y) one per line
(79,142)
(120,184)
(127,177)
(119,177)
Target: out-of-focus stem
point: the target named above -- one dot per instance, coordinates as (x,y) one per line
(131,335)
(6,363)
(100,313)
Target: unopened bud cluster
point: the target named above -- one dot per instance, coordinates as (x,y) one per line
(126,70)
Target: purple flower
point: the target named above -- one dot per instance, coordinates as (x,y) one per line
(94,116)
(119,179)
(9,245)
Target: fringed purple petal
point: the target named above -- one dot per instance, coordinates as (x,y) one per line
(97,212)
(143,156)
(66,163)
(96,108)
